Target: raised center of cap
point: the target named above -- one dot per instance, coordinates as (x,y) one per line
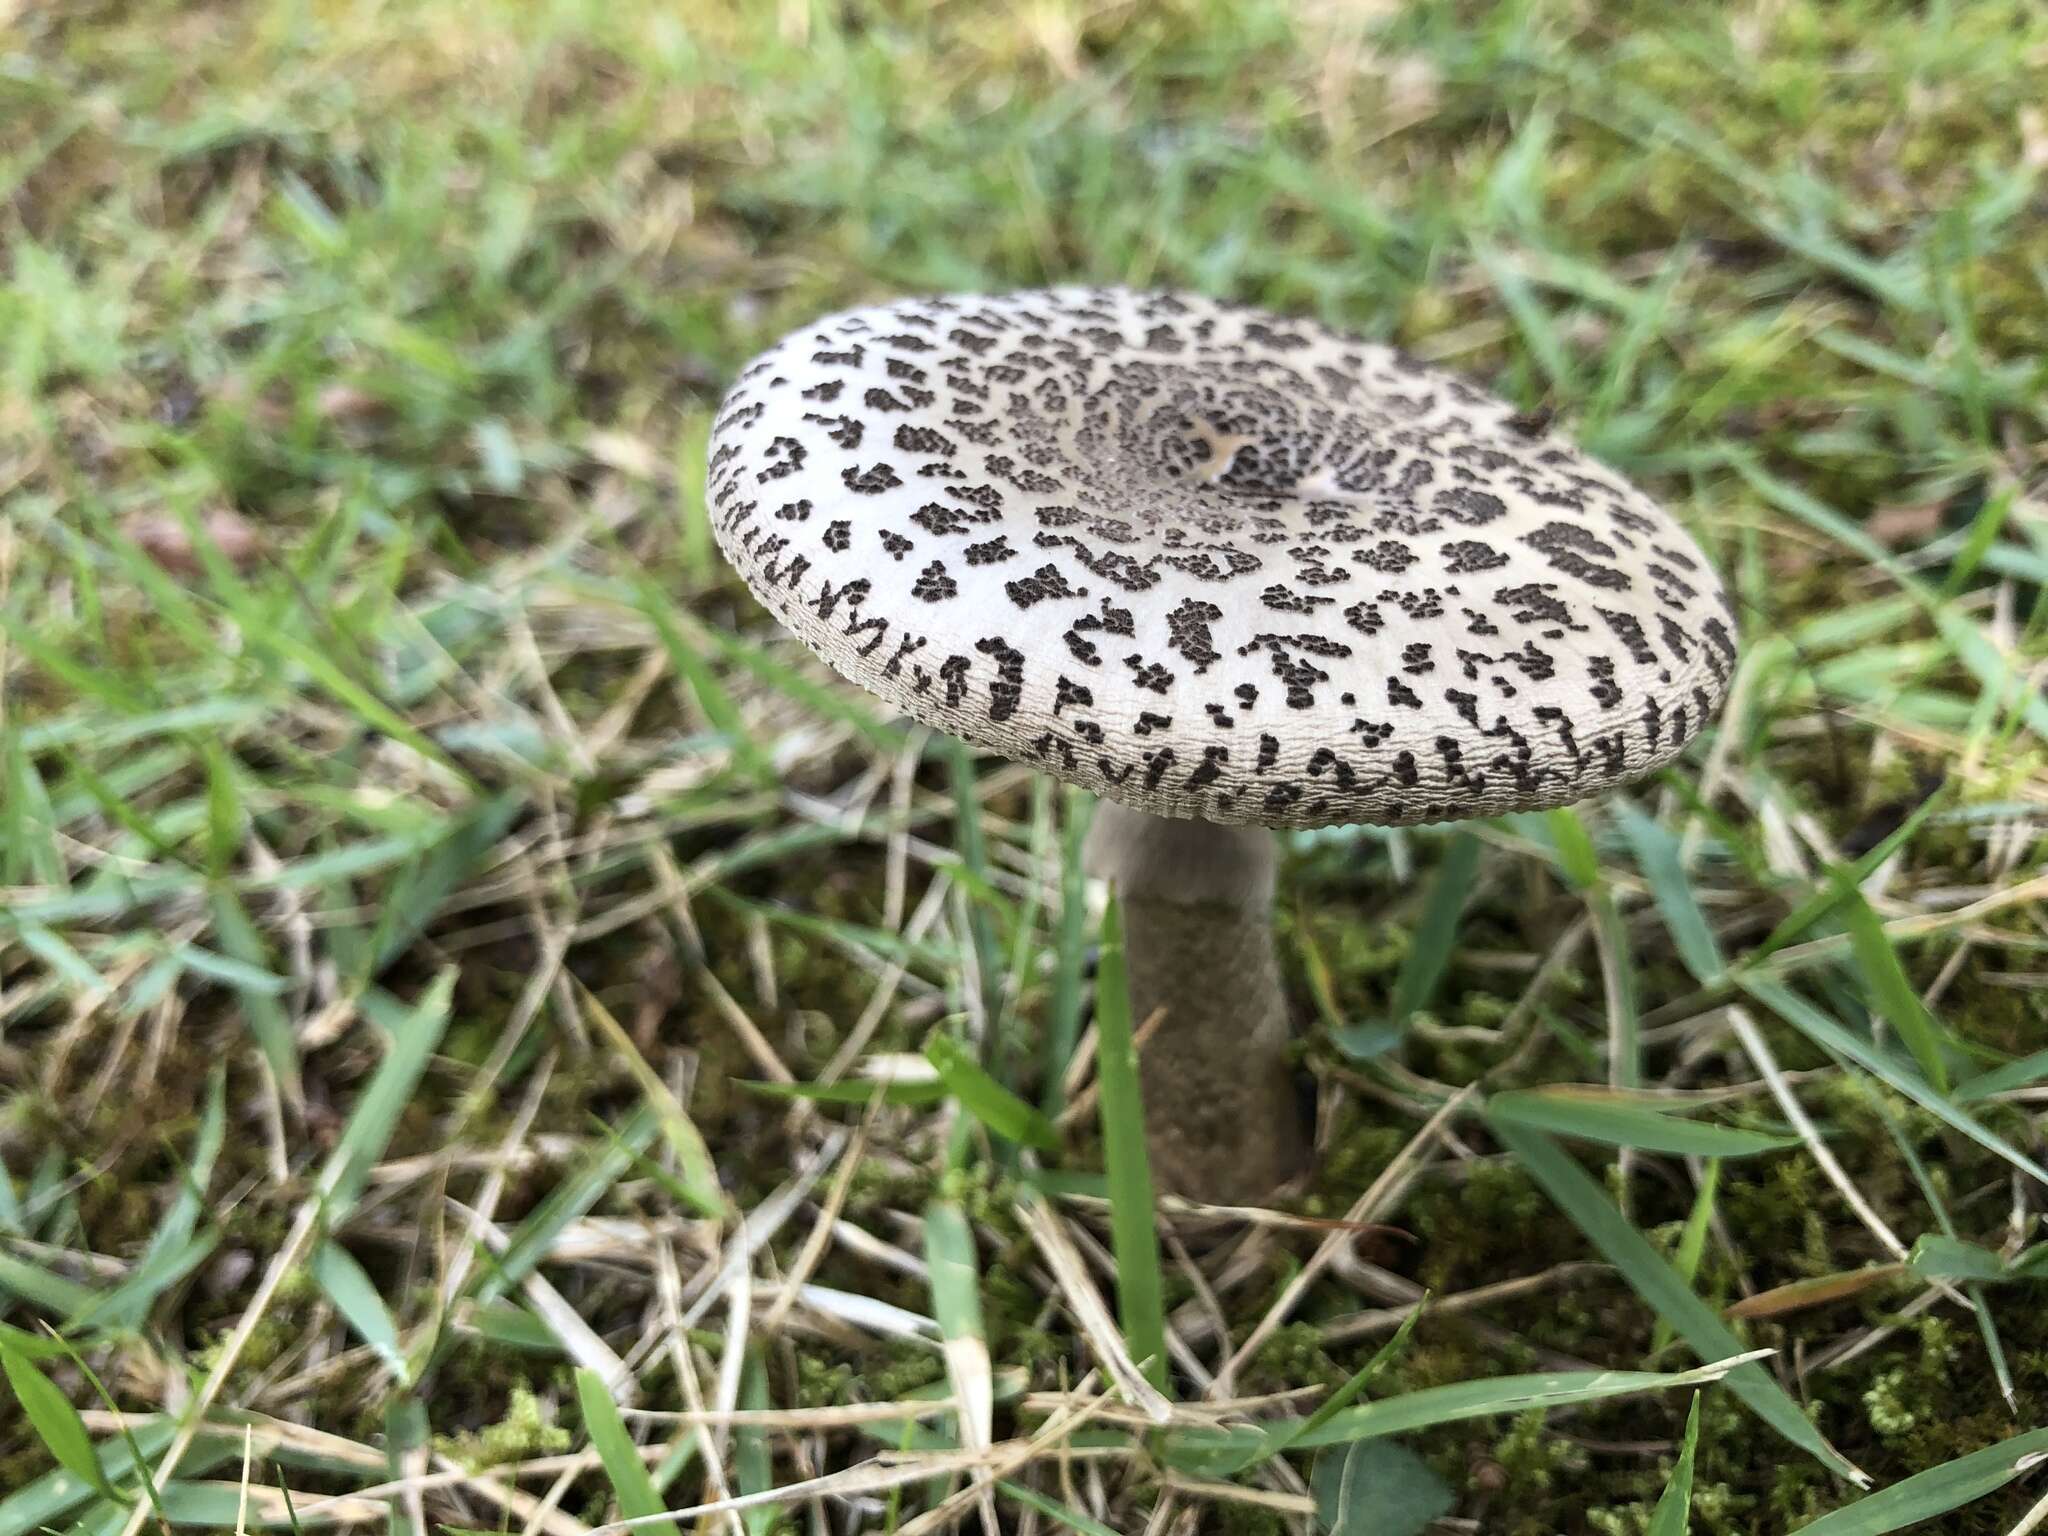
(1252,440)
(1172,446)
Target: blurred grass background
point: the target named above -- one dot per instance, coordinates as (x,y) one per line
(360,626)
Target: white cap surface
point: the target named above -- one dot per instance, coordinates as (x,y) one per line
(1214,562)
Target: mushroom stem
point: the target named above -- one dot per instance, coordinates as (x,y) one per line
(1222,1120)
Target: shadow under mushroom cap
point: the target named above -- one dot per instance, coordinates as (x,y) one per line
(1212,562)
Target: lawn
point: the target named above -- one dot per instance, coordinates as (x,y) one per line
(428,882)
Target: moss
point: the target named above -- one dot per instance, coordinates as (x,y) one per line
(1715,1507)
(1898,1399)
(2008,1019)
(1360,951)
(1010,1307)
(525,1431)
(1480,1227)
(823,1383)
(1530,1460)
(1621,1520)
(476,1379)
(1531,1456)
(1483,1010)
(1247,1520)
(1774,1215)
(905,1369)
(1890,1414)
(878,1185)
(1361,1147)
(986,1195)
(274,1333)
(1292,1357)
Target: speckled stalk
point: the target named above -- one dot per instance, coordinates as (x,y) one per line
(1222,1119)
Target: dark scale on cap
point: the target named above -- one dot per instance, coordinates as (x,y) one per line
(991,552)
(872,481)
(934,585)
(1150,676)
(1071,692)
(1045,584)
(1096,530)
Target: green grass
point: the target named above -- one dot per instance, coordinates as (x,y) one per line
(389,916)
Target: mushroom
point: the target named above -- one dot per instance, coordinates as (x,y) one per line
(1231,571)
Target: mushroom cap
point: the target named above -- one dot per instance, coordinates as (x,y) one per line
(1214,562)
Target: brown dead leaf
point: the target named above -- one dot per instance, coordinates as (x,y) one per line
(2033,123)
(626,453)
(1905,525)
(345,403)
(167,541)
(1817,1292)
(263,409)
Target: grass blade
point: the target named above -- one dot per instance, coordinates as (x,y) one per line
(55,1422)
(1287,1439)
(1070,956)
(711,695)
(1816,1291)
(56,951)
(172,1252)
(355,1297)
(1936,1491)
(416,1033)
(1133,1231)
(861,1090)
(156,1272)
(417,894)
(142,1472)
(566,1202)
(2024,1072)
(1674,1509)
(29,851)
(407,1433)
(1436,930)
(972,883)
(1657,856)
(956,1304)
(1987,1324)
(1342,1398)
(632,1487)
(51,1497)
(1935,1257)
(986,1099)
(268,1022)
(1627,1120)
(955,1274)
(1825,1032)
(1877,964)
(1844,879)
(826,702)
(1453,1403)
(693,1157)
(1692,1243)
(1653,1279)
(753,1464)
(1576,858)
(1053,1509)
(50,1292)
